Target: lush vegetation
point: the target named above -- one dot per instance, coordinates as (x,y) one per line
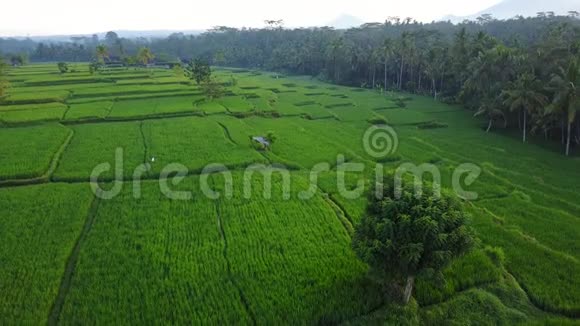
(268,261)
(163,260)
(517,73)
(406,234)
(3,82)
(39,227)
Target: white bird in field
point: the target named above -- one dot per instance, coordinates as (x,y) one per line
(153,160)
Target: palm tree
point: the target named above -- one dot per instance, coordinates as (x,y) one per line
(566,84)
(102,53)
(336,47)
(525,95)
(405,51)
(489,110)
(435,67)
(121,47)
(145,55)
(388,52)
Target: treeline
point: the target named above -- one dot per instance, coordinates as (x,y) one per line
(521,73)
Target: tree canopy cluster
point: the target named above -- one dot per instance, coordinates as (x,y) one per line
(3,82)
(405,234)
(518,73)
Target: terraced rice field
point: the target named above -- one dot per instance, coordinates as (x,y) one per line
(69,258)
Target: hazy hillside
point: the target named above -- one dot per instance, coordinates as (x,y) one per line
(149,34)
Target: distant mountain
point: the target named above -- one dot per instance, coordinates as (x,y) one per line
(345,22)
(153,33)
(527,8)
(122,33)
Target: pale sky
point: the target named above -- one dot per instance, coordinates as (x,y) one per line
(51,17)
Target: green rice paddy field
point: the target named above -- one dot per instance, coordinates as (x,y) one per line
(67,257)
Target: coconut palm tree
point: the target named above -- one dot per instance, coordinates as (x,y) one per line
(336,47)
(525,95)
(145,56)
(566,85)
(102,53)
(491,112)
(435,67)
(406,49)
(388,52)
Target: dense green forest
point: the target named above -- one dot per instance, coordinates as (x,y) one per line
(518,73)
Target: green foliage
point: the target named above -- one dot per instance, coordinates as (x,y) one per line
(478,268)
(378,121)
(95,67)
(405,234)
(525,95)
(400,102)
(432,125)
(391,314)
(102,53)
(496,255)
(129,60)
(212,89)
(18,60)
(145,56)
(271,137)
(473,305)
(199,71)
(566,85)
(178,70)
(62,67)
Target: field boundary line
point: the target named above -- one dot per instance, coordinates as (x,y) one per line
(46,176)
(526,237)
(571,313)
(492,170)
(70,267)
(346,149)
(108,119)
(222,232)
(144,139)
(58,156)
(150,177)
(227,133)
(340,213)
(562,313)
(110,108)
(65,112)
(31,109)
